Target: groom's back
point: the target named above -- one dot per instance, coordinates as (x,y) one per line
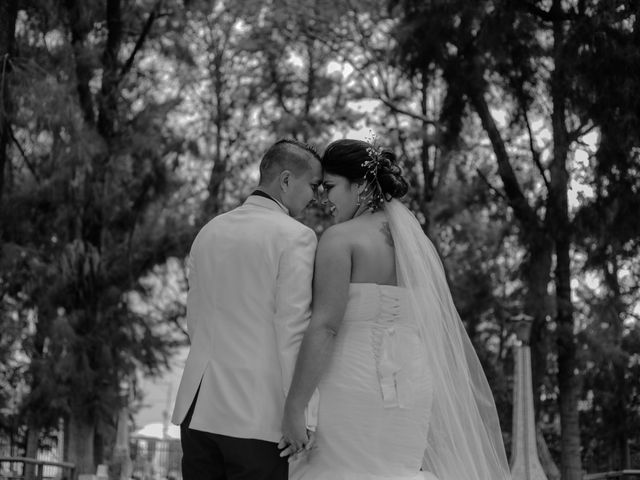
(234,290)
(234,266)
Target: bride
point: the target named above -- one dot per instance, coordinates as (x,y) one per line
(402,394)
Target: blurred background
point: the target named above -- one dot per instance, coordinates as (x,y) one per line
(125,125)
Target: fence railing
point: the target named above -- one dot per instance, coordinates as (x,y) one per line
(63,470)
(617,475)
(66,470)
(155,459)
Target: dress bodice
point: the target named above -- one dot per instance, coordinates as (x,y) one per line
(377,305)
(382,310)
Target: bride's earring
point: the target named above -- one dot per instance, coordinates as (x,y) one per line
(362,194)
(358,198)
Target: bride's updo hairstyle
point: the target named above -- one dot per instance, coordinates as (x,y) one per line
(361,161)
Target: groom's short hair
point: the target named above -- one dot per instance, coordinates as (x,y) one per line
(286,154)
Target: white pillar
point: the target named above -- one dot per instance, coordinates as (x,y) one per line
(525,464)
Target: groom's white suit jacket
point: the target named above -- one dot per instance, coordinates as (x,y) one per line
(250,274)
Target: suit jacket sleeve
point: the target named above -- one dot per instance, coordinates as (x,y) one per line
(293,300)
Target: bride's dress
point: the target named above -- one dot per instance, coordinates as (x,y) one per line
(404,386)
(375,396)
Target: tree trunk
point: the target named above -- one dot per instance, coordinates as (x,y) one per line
(215,187)
(537,275)
(621,458)
(31,451)
(548,465)
(214,201)
(8,15)
(108,112)
(568,384)
(536,236)
(80,28)
(80,444)
(558,211)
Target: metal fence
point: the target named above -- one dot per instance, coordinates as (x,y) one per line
(618,475)
(151,459)
(155,459)
(18,467)
(48,463)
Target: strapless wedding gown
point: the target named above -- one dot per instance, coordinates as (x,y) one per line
(375,396)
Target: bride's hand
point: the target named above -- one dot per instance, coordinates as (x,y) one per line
(294,432)
(293,455)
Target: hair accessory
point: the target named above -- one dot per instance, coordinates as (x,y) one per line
(372,167)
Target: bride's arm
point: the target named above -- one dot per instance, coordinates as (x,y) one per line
(331,280)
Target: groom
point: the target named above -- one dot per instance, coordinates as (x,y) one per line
(250,273)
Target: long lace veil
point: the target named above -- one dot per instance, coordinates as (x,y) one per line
(464,441)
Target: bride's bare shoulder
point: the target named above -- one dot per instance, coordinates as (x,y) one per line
(358,229)
(335,245)
(337,232)
(349,229)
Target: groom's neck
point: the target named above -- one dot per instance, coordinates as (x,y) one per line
(271,191)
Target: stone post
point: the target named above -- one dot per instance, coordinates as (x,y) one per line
(525,464)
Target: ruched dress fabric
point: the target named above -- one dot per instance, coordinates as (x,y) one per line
(375,396)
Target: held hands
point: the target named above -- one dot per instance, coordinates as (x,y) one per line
(293,454)
(296,439)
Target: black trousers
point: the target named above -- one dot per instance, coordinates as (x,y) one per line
(210,456)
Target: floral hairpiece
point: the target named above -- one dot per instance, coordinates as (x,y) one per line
(372,166)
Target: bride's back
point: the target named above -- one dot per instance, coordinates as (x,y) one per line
(373,254)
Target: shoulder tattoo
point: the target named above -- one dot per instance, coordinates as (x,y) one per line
(386,231)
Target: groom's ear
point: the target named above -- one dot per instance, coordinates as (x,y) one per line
(285,178)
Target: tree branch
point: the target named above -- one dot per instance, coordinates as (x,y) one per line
(491,187)
(141,39)
(24,155)
(409,113)
(277,82)
(574,135)
(80,28)
(549,16)
(516,198)
(534,151)
(109,90)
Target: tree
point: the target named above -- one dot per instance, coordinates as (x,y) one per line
(88,214)
(607,238)
(530,55)
(8,323)
(486,47)
(8,16)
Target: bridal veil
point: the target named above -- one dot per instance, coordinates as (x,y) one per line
(464,440)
